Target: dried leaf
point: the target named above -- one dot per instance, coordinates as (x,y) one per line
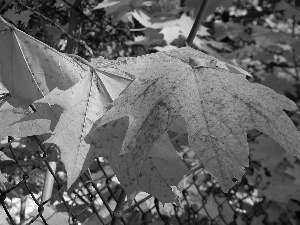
(219,107)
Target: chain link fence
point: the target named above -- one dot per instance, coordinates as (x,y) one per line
(96,197)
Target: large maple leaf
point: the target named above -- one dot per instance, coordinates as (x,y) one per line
(217,105)
(29,70)
(157,173)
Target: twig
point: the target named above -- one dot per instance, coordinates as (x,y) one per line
(197,22)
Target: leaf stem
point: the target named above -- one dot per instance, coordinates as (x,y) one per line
(197,22)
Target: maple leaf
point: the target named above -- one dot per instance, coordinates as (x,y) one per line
(30,69)
(77,109)
(157,172)
(15,17)
(218,107)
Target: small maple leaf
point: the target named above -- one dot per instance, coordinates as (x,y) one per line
(77,109)
(15,17)
(219,107)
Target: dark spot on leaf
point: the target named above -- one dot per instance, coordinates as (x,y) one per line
(234,179)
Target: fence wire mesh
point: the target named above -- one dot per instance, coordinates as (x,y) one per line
(94,197)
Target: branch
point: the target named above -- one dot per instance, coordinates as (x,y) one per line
(197,22)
